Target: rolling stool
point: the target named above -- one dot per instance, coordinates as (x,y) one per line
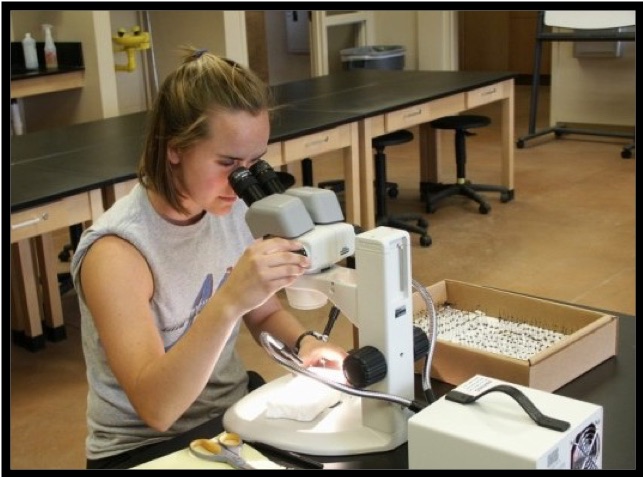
(437,192)
(399,221)
(383,188)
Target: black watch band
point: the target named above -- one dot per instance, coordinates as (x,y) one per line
(317,336)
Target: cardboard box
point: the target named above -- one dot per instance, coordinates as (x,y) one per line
(495,432)
(591,338)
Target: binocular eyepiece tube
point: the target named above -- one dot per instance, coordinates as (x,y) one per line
(255,183)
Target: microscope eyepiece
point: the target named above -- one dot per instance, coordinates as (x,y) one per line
(267,177)
(246,185)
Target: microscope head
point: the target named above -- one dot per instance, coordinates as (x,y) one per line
(310,215)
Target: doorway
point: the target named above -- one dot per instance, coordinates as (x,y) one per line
(289,45)
(278,44)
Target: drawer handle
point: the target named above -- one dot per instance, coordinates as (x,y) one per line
(417,112)
(29,222)
(317,142)
(487,93)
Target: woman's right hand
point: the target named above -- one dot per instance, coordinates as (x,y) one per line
(265,267)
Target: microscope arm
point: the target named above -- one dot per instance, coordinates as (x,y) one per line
(337,284)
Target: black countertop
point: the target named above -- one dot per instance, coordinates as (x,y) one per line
(52,164)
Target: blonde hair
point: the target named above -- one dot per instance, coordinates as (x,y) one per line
(202,84)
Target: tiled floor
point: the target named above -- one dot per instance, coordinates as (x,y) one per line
(568,235)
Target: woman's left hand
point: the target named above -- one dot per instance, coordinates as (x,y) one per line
(314,352)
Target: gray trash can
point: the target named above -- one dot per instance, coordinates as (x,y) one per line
(376,57)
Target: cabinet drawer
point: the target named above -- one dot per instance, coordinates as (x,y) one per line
(47,218)
(425,112)
(407,117)
(487,94)
(447,106)
(317,143)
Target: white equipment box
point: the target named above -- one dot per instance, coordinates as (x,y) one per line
(492,431)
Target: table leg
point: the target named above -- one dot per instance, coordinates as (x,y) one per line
(430,154)
(352,185)
(112,193)
(52,306)
(507,140)
(27,319)
(366,174)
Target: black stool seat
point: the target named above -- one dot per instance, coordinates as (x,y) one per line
(463,186)
(392,139)
(286,179)
(461,122)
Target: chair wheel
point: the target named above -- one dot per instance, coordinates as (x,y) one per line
(484,208)
(520,143)
(425,241)
(430,208)
(393,192)
(505,197)
(423,223)
(626,154)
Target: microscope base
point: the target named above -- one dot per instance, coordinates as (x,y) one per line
(336,431)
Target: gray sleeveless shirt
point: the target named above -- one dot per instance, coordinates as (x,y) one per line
(188,263)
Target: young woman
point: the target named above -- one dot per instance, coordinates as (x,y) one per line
(167,274)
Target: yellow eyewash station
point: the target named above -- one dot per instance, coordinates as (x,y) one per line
(130,43)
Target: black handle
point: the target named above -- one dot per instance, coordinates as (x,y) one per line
(529,407)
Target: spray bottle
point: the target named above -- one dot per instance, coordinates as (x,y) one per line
(51,59)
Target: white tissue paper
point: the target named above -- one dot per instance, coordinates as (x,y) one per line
(301,399)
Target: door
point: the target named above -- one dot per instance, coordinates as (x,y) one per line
(500,41)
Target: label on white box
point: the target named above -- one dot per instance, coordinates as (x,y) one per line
(477,385)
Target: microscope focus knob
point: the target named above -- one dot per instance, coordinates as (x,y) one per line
(364,366)
(421,343)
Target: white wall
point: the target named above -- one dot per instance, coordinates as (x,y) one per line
(283,65)
(437,40)
(593,90)
(173,29)
(398,28)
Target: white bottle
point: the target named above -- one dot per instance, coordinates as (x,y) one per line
(29,49)
(51,59)
(16,118)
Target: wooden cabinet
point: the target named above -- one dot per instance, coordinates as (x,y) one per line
(500,41)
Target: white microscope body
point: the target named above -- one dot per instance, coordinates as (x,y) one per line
(376,297)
